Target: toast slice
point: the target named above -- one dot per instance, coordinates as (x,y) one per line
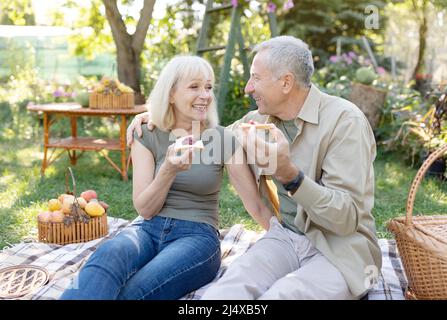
(188,142)
(258,126)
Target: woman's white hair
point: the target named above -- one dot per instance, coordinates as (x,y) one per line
(288,54)
(178,69)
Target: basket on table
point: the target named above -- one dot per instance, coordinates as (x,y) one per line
(422,244)
(77,226)
(110,93)
(111,100)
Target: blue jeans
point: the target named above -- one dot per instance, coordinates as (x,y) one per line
(161,258)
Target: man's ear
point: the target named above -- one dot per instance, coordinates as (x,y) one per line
(288,81)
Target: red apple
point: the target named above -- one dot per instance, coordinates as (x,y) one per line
(89,195)
(104,205)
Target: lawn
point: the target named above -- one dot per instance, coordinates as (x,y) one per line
(23,193)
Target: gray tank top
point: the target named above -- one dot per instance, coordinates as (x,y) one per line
(194,194)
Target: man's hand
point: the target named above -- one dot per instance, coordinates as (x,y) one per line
(136,125)
(286,169)
(273,157)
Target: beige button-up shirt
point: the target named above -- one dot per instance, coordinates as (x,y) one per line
(335,148)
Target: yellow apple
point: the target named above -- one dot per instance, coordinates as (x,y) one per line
(54,204)
(94,209)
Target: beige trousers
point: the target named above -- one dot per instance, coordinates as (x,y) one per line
(281,265)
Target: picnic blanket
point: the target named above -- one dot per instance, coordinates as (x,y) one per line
(64,262)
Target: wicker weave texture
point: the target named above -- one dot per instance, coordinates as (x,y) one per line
(422,244)
(111,101)
(17,281)
(77,232)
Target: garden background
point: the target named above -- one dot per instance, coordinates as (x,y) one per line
(54,51)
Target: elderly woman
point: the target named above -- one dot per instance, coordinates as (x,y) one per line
(173,248)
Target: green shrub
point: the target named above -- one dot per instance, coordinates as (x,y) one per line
(365,75)
(407,121)
(237,102)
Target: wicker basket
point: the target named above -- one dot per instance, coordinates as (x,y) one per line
(76,232)
(111,101)
(422,244)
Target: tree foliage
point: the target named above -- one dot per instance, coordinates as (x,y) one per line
(17,12)
(420,17)
(321,22)
(94,36)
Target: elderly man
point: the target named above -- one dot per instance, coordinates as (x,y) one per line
(322,245)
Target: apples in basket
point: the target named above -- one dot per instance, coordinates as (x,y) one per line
(68,209)
(72,219)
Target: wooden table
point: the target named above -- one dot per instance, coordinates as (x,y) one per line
(73,143)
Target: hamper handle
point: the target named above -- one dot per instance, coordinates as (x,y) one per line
(417,181)
(72,180)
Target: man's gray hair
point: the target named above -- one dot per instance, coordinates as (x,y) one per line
(288,54)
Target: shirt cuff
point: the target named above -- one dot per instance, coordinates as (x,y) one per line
(308,193)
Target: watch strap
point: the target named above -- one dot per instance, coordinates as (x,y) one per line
(293,185)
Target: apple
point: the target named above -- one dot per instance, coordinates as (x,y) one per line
(62,197)
(89,195)
(54,204)
(82,202)
(57,216)
(94,209)
(104,205)
(44,216)
(66,205)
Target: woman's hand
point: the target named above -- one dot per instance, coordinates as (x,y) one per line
(175,163)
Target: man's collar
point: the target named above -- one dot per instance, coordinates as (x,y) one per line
(310,108)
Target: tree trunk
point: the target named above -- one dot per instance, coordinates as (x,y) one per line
(128,67)
(419,74)
(129,47)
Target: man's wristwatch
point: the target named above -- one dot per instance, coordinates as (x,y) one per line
(293,185)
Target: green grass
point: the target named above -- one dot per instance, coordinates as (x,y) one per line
(393,180)
(23,193)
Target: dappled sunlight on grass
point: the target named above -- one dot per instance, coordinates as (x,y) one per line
(12,187)
(19,174)
(18,154)
(23,193)
(232,189)
(393,180)
(389,175)
(231,209)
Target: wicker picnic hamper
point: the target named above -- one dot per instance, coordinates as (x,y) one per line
(422,244)
(111,100)
(75,232)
